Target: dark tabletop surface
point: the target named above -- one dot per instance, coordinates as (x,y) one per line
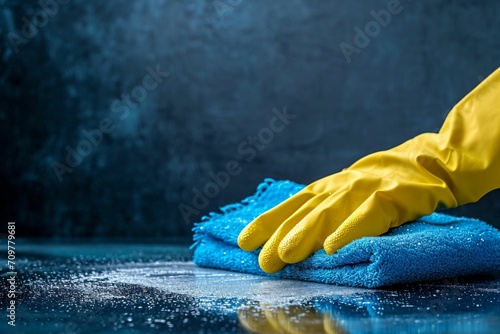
(114,287)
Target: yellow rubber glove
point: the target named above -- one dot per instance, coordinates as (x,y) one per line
(456,166)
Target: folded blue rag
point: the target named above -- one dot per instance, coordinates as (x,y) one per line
(434,247)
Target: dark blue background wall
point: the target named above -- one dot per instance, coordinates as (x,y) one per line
(230,63)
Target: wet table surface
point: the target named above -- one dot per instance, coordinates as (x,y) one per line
(144,288)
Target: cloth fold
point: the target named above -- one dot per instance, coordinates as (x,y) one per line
(434,247)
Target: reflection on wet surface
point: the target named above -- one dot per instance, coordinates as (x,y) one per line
(109,288)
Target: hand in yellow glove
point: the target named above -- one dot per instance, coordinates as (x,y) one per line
(456,166)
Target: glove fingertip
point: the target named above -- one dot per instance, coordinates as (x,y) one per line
(329,247)
(270,263)
(247,240)
(336,241)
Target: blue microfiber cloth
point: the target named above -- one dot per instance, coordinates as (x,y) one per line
(434,247)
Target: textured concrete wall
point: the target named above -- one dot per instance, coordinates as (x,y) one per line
(87,65)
